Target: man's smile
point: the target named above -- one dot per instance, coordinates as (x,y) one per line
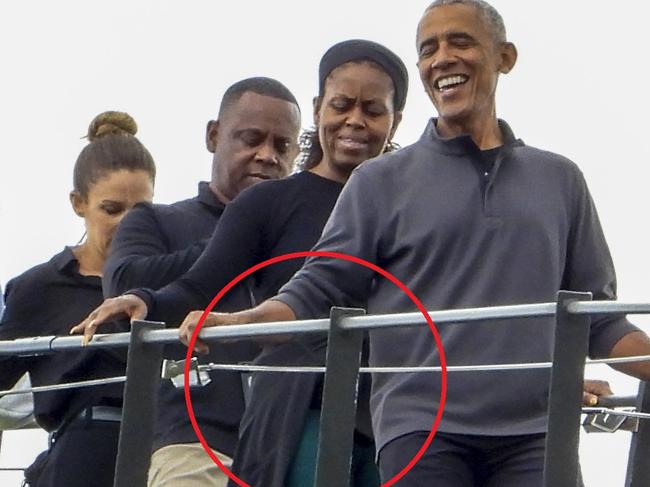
(448,82)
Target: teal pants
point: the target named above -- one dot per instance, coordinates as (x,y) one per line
(303,468)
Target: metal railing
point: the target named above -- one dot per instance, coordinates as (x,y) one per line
(345,328)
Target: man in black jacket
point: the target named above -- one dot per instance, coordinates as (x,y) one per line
(253,139)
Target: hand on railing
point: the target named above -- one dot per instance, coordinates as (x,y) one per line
(592,390)
(191,321)
(266,312)
(127,305)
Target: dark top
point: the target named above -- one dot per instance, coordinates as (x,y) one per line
(153,245)
(49,299)
(268,220)
(275,218)
(422,214)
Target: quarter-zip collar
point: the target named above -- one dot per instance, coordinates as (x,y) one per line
(463,144)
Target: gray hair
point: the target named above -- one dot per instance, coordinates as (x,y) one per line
(489,13)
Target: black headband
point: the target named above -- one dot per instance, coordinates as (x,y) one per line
(362,50)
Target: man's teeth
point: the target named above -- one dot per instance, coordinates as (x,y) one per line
(451,81)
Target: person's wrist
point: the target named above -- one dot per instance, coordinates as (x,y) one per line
(246,316)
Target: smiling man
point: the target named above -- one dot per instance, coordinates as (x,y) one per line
(253,139)
(462,49)
(468,216)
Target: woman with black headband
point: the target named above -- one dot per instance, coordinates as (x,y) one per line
(362,91)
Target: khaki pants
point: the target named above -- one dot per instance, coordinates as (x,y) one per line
(186,465)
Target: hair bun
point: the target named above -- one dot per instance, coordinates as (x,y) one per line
(111,122)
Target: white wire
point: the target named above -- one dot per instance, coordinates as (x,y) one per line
(410,370)
(67,385)
(374,370)
(619,360)
(366,370)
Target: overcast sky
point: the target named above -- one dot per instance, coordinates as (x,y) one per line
(579,88)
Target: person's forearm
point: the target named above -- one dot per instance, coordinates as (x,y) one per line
(632,344)
(148,271)
(269,311)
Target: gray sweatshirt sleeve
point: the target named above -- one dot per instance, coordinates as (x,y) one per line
(353,228)
(589,267)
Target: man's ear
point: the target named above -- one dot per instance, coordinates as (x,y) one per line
(397,118)
(316,102)
(211,132)
(508,57)
(78,203)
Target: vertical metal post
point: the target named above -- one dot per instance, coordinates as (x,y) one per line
(561,467)
(638,466)
(338,413)
(140,392)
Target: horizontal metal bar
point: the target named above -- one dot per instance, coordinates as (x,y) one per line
(24,346)
(608,307)
(243,331)
(40,345)
(46,344)
(617,401)
(363,322)
(99,341)
(450,316)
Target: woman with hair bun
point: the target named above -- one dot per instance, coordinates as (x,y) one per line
(113,172)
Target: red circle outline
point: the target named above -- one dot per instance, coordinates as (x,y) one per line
(300,255)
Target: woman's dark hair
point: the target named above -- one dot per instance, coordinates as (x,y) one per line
(353,51)
(112,147)
(358,50)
